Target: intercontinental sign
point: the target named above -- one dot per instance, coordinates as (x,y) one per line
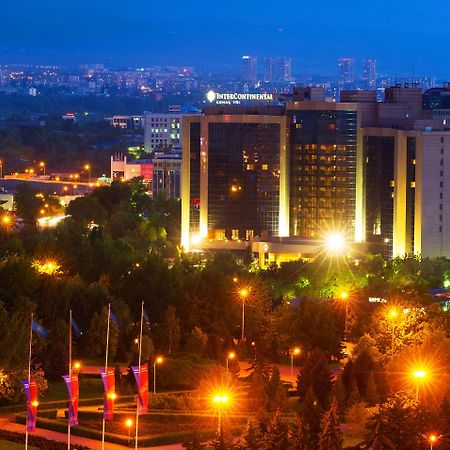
(235,98)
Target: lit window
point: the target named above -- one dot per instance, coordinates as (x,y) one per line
(265,167)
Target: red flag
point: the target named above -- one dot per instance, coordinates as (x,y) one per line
(30,388)
(110,393)
(141,375)
(72,387)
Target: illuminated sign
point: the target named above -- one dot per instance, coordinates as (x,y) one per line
(236,98)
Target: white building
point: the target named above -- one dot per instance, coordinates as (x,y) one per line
(163,131)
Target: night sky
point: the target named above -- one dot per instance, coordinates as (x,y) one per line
(405,37)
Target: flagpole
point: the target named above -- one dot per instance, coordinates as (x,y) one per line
(106,373)
(29,374)
(139,365)
(70,374)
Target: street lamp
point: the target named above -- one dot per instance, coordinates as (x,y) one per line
(220,401)
(344,298)
(88,168)
(129,424)
(244,294)
(158,360)
(1,168)
(42,165)
(419,376)
(432,439)
(230,356)
(294,352)
(77,366)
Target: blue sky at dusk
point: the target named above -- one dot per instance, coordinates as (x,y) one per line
(402,36)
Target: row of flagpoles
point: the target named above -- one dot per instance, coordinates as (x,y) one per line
(71,380)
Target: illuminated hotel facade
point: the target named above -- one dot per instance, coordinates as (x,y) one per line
(283,177)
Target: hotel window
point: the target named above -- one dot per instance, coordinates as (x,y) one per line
(235,235)
(249,234)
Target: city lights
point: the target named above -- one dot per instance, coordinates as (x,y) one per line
(48,267)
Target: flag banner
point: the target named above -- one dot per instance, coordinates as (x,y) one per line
(39,329)
(141,375)
(110,393)
(31,391)
(76,329)
(72,387)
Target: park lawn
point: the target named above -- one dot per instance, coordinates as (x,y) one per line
(7,445)
(89,388)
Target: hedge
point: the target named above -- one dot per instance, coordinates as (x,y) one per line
(164,439)
(36,441)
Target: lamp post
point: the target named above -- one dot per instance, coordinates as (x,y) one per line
(220,401)
(1,168)
(129,424)
(42,165)
(432,439)
(230,356)
(294,352)
(158,360)
(88,168)
(419,375)
(244,294)
(344,297)
(393,316)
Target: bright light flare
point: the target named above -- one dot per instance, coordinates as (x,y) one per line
(335,242)
(419,373)
(296,351)
(196,239)
(231,355)
(159,360)
(129,423)
(244,292)
(48,267)
(220,399)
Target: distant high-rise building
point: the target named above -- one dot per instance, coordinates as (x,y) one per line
(370,74)
(346,71)
(277,69)
(249,68)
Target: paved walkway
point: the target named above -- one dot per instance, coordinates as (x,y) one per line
(7,423)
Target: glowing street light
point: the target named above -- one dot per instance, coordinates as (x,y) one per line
(6,220)
(432,439)
(88,168)
(129,424)
(230,356)
(345,298)
(243,294)
(419,376)
(42,165)
(158,361)
(294,352)
(220,401)
(77,366)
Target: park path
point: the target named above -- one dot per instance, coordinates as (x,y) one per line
(7,423)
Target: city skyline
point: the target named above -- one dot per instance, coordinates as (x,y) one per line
(144,36)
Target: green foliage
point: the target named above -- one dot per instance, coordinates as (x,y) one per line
(330,437)
(96,336)
(276,435)
(196,342)
(315,376)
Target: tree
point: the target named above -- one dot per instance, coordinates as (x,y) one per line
(196,342)
(311,413)
(171,329)
(276,394)
(315,375)
(298,435)
(276,436)
(330,437)
(195,443)
(95,342)
(252,436)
